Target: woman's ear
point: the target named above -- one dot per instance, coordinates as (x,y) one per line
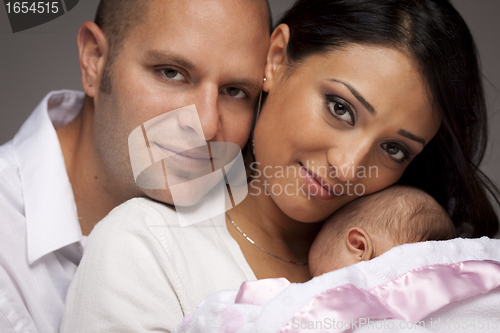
(360,244)
(276,55)
(93,52)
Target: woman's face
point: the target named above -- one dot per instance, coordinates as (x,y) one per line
(341,125)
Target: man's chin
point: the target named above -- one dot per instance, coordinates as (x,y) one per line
(163,196)
(182,199)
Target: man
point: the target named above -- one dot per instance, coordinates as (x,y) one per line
(68,166)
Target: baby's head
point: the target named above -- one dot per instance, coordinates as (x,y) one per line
(371,225)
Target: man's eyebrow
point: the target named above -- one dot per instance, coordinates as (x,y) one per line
(411,136)
(358,96)
(168,58)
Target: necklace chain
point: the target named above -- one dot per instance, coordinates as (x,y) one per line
(260,247)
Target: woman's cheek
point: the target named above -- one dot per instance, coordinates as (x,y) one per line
(381,179)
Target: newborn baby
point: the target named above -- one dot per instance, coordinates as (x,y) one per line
(361,230)
(373,224)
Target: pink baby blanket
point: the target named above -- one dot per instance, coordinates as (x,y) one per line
(443,286)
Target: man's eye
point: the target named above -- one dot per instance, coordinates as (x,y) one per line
(234,92)
(172,74)
(341,110)
(398,154)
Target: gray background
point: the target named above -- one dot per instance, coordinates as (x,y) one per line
(45,58)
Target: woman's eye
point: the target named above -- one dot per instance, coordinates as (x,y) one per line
(341,110)
(172,74)
(234,92)
(398,154)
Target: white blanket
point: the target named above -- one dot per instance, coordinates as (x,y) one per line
(438,286)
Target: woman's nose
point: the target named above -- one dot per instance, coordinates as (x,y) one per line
(349,160)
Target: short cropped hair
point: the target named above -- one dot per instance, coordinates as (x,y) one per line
(117,17)
(405,214)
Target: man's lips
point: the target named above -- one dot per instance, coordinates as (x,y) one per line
(200,153)
(320,181)
(191,159)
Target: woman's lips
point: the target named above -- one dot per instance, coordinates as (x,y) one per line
(316,185)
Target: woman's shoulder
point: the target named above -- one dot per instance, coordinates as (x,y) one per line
(143,208)
(136,215)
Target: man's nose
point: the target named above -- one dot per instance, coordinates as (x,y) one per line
(207,104)
(349,159)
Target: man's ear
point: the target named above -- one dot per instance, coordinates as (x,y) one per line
(360,244)
(93,52)
(276,55)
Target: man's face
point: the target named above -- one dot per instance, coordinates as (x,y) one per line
(210,53)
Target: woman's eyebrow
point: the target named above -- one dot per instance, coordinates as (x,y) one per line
(358,96)
(411,136)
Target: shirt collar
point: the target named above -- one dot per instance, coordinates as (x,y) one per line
(50,208)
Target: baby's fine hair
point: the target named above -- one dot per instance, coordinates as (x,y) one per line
(405,214)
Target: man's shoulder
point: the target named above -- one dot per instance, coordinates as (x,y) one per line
(10,180)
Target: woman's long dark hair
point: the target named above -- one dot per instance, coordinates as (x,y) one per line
(434,34)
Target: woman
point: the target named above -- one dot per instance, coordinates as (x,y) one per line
(360,95)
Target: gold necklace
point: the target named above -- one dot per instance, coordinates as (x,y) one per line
(261,248)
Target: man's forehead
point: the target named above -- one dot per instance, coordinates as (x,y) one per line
(188,25)
(232,9)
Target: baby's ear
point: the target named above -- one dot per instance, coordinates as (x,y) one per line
(359,244)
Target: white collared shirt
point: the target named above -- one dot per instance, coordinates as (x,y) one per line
(40,236)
